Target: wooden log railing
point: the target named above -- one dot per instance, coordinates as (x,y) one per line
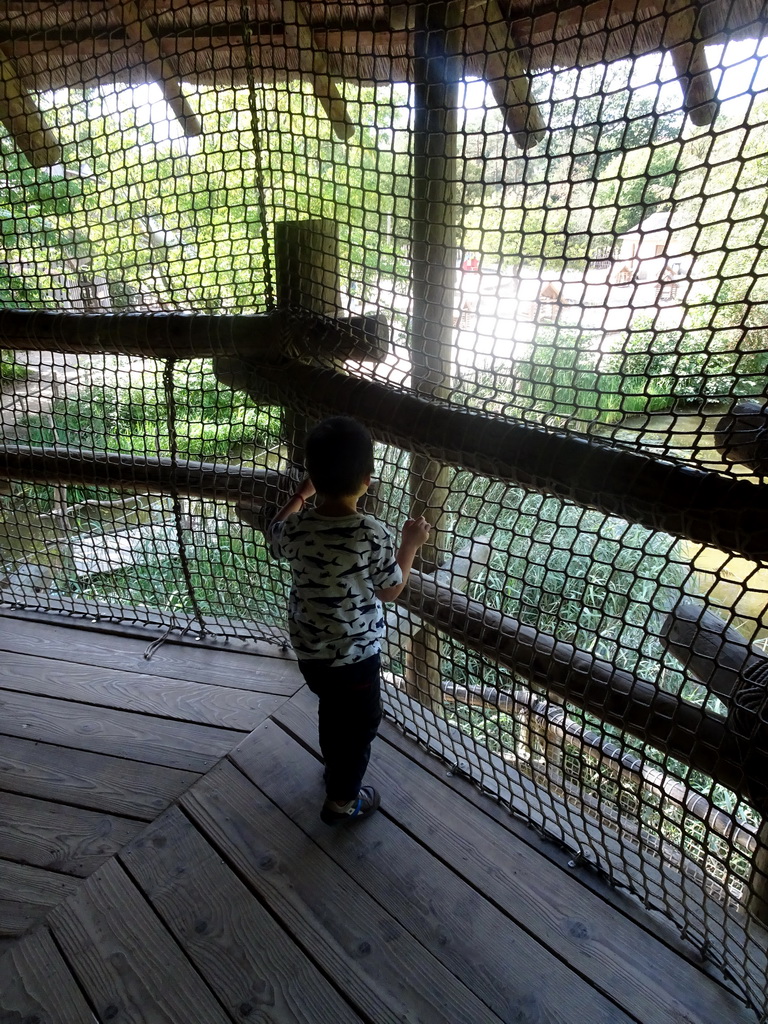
(696,736)
(682,500)
(249,489)
(268,337)
(706,507)
(624,762)
(141,473)
(722,660)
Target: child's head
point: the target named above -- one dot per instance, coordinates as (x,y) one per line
(339,457)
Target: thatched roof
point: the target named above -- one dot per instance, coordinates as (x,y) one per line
(48,44)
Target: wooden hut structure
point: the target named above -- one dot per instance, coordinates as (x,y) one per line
(157,860)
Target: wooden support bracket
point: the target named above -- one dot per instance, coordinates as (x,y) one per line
(507,71)
(510,82)
(21,117)
(159,66)
(314,65)
(684,39)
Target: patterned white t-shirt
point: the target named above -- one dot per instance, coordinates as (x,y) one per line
(337,564)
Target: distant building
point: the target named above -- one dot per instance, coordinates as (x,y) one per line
(646,258)
(645,269)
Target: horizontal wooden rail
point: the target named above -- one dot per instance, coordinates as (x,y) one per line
(707,507)
(249,489)
(141,473)
(658,783)
(700,738)
(266,336)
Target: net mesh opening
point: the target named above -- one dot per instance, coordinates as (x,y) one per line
(526,245)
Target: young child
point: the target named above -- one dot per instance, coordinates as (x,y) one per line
(343,566)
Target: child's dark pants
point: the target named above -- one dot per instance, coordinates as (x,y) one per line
(349,714)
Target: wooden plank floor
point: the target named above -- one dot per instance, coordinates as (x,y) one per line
(213,893)
(96,740)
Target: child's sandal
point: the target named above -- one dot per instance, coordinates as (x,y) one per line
(367,802)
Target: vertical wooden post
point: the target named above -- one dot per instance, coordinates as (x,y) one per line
(306,278)
(758,883)
(434,261)
(715,654)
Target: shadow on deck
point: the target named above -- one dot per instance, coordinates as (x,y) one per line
(162,860)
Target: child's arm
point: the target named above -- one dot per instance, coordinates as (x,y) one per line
(296,502)
(415,533)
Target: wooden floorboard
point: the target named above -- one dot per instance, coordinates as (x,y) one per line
(474,939)
(85,779)
(36,986)
(159,863)
(518,830)
(58,837)
(278,675)
(249,961)
(389,977)
(126,734)
(622,960)
(150,625)
(125,960)
(90,752)
(661,879)
(185,701)
(714,933)
(28,894)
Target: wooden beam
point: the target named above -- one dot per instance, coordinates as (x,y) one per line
(307,266)
(507,70)
(687,48)
(675,498)
(306,274)
(692,734)
(699,95)
(141,473)
(22,119)
(313,65)
(159,67)
(267,337)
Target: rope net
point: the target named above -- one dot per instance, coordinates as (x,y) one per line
(529,251)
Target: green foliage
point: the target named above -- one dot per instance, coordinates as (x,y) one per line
(589,579)
(230,577)
(560,377)
(131,417)
(10,369)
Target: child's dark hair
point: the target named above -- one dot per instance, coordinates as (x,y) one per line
(338,456)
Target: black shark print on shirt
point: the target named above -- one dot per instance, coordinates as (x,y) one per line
(337,566)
